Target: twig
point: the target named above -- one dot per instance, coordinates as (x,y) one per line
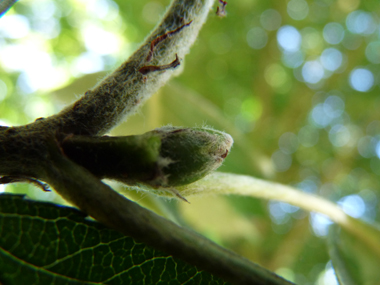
(122,92)
(98,200)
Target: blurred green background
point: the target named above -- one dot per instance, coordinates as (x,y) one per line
(294,82)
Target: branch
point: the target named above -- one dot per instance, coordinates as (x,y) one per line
(123,91)
(23,148)
(81,188)
(38,151)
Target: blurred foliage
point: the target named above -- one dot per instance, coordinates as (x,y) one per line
(294,82)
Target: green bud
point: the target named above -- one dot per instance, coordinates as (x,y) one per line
(192,152)
(165,157)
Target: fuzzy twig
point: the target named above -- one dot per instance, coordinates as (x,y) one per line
(123,91)
(37,150)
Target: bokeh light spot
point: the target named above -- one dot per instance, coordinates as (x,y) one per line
(38,107)
(372,52)
(353,205)
(104,9)
(257,38)
(152,11)
(44,10)
(16,57)
(278,215)
(251,109)
(339,135)
(308,136)
(320,224)
(360,22)
(289,38)
(348,5)
(298,9)
(312,40)
(308,186)
(100,41)
(36,67)
(366,146)
(322,116)
(333,106)
(275,75)
(288,142)
(14,26)
(49,28)
(361,79)
(333,33)
(312,71)
(88,62)
(373,128)
(281,161)
(331,59)
(270,19)
(292,59)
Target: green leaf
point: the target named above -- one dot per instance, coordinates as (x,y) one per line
(354,262)
(228,183)
(339,261)
(42,243)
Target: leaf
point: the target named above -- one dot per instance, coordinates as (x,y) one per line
(339,261)
(228,183)
(42,243)
(354,262)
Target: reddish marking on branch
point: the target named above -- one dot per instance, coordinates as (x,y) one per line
(151,68)
(221,11)
(159,39)
(224,155)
